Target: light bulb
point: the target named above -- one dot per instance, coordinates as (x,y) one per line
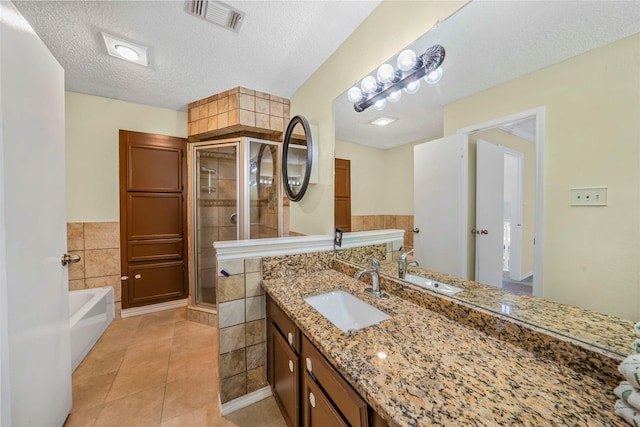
(434,76)
(395,96)
(369,84)
(354,94)
(386,73)
(127,53)
(412,87)
(380,104)
(407,60)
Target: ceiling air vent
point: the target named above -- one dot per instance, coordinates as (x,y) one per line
(217,13)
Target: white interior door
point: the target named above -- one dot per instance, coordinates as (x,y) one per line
(441,204)
(35,360)
(489,213)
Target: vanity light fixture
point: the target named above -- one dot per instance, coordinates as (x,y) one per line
(383,121)
(126,50)
(389,82)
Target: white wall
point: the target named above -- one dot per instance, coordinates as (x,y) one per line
(390,27)
(592,104)
(92,142)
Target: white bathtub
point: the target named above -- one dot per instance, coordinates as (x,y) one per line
(90,311)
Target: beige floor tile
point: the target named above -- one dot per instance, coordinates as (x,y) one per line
(140,354)
(153,333)
(90,392)
(204,338)
(180,314)
(205,416)
(96,364)
(83,418)
(158,318)
(260,414)
(188,394)
(133,380)
(187,364)
(139,409)
(183,327)
(109,343)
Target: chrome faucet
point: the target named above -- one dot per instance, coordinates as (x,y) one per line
(403,264)
(375,279)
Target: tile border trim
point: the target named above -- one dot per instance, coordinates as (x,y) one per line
(244,401)
(169,305)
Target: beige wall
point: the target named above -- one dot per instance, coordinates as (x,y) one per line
(381,180)
(390,27)
(92,125)
(592,139)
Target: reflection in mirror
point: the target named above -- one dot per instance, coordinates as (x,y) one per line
(548,56)
(297,158)
(264,190)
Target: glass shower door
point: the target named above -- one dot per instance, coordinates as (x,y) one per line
(216,203)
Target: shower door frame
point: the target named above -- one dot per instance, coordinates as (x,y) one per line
(243,230)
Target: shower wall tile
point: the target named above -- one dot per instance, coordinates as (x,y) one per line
(233,387)
(102,235)
(235,266)
(228,233)
(98,245)
(231,288)
(102,262)
(252,284)
(256,308)
(255,332)
(252,265)
(256,379)
(231,313)
(75,236)
(256,355)
(232,338)
(198,316)
(232,363)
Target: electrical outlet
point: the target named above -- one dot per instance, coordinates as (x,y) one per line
(595,196)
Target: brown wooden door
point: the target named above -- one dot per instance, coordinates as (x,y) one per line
(285,375)
(152,218)
(342,189)
(317,409)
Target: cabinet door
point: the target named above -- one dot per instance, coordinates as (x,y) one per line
(317,410)
(285,373)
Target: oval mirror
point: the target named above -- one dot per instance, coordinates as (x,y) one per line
(296,158)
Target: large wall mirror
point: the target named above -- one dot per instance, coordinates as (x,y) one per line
(555,86)
(297,158)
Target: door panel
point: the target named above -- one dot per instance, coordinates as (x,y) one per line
(154,169)
(152,218)
(342,185)
(441,204)
(489,213)
(35,346)
(154,215)
(318,411)
(285,378)
(157,281)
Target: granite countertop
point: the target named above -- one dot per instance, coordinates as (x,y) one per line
(609,332)
(439,372)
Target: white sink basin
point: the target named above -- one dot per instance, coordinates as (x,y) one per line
(346,311)
(439,287)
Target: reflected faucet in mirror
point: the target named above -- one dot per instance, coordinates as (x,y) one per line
(403,264)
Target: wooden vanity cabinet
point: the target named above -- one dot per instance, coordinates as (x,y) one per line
(317,397)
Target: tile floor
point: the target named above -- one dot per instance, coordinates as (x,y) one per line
(158,369)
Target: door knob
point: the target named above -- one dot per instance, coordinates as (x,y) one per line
(416,230)
(484,231)
(69,259)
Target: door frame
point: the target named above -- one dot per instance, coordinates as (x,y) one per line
(540,114)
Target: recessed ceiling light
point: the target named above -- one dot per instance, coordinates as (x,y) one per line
(126,50)
(383,121)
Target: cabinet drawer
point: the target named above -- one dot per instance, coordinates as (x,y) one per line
(286,326)
(318,411)
(344,397)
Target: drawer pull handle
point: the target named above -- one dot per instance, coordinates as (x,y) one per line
(290,365)
(312,398)
(138,276)
(309,365)
(290,338)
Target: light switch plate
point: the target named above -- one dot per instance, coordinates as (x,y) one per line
(594,196)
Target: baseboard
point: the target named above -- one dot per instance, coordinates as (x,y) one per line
(246,400)
(170,305)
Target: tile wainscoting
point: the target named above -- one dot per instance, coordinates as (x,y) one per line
(98,245)
(385,222)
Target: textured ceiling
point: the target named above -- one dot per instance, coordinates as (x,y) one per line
(279,46)
(488,43)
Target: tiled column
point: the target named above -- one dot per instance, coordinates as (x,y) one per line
(242,323)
